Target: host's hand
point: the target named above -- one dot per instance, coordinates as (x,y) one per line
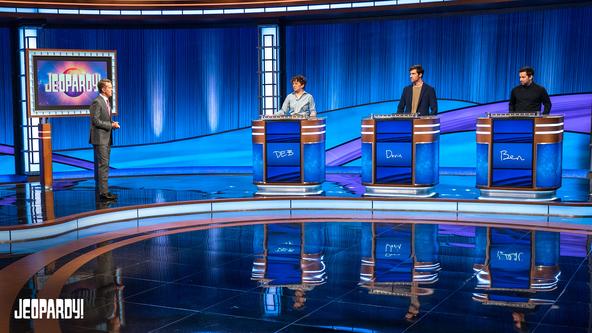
(115,124)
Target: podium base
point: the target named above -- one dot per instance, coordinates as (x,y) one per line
(514,195)
(402,192)
(300,190)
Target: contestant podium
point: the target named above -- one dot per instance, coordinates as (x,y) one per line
(519,156)
(288,155)
(400,155)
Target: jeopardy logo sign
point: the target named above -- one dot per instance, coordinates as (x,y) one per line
(72,82)
(49,309)
(64,83)
(68,82)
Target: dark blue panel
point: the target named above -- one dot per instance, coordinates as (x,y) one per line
(282,127)
(393,154)
(507,298)
(283,248)
(394,126)
(282,137)
(393,175)
(282,131)
(393,261)
(513,137)
(287,154)
(394,137)
(284,239)
(283,174)
(512,156)
(509,258)
(513,126)
(512,177)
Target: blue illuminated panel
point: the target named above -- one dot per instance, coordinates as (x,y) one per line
(512,153)
(283,254)
(393,253)
(549,165)
(482,164)
(510,254)
(283,151)
(314,166)
(366,162)
(394,155)
(257,162)
(426,163)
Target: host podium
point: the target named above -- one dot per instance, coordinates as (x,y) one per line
(288,155)
(519,156)
(400,155)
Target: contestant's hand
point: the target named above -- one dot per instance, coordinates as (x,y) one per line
(313,115)
(115,124)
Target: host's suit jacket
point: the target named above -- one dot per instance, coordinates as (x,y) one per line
(100,128)
(427,99)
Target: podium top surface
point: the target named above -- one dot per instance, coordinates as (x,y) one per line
(295,117)
(400,116)
(519,115)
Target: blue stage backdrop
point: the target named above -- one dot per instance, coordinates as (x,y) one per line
(173,83)
(466,57)
(6,75)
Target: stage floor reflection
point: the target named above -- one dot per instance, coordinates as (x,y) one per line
(317,276)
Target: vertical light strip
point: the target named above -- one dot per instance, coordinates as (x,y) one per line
(30,152)
(269,66)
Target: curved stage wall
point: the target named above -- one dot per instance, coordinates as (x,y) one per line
(198,93)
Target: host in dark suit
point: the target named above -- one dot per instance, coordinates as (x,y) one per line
(419,96)
(101,137)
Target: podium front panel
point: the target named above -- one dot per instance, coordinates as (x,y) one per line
(288,155)
(394,151)
(521,153)
(283,152)
(512,153)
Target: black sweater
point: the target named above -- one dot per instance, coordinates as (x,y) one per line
(529,99)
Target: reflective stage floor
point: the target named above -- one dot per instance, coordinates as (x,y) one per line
(317,277)
(290,270)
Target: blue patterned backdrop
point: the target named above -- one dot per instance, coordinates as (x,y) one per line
(173,83)
(466,57)
(6,75)
(182,83)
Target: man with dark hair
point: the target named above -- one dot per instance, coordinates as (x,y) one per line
(101,137)
(299,102)
(418,97)
(528,96)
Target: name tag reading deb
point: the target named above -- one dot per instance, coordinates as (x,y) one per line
(283,154)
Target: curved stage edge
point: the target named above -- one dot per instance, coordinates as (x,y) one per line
(576,217)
